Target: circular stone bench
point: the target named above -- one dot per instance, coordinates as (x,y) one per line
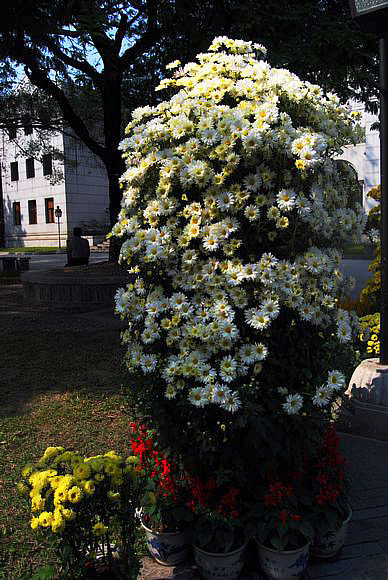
(75,287)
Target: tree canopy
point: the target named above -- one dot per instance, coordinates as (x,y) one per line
(96,60)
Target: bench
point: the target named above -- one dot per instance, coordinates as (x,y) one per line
(15,263)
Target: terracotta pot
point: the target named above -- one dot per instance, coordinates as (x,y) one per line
(212,565)
(283,564)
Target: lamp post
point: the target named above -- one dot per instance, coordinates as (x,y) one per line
(368,387)
(58,215)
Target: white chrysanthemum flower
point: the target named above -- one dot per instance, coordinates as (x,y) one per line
(344,332)
(270,308)
(177,300)
(225,200)
(228,367)
(210,243)
(293,404)
(252,181)
(148,363)
(260,351)
(257,319)
(286,199)
(322,396)
(198,397)
(335,380)
(247,353)
(252,213)
(220,392)
(231,403)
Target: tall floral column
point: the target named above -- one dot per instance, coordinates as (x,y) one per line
(233,218)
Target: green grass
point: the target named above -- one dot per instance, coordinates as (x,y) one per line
(358,251)
(31,250)
(61,385)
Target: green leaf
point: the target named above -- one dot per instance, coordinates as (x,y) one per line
(44,573)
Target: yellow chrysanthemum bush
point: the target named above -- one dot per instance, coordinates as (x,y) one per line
(89,504)
(233,218)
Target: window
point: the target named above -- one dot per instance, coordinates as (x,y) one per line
(49,206)
(47,164)
(27,126)
(30,169)
(17,218)
(14,171)
(12,133)
(32,214)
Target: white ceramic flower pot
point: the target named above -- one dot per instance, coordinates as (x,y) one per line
(227,566)
(168,548)
(329,544)
(285,564)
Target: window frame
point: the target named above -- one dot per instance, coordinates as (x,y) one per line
(12,133)
(14,166)
(27,125)
(17,214)
(49,211)
(30,168)
(47,163)
(32,212)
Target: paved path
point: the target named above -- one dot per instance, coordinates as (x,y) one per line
(48,261)
(365,554)
(359,270)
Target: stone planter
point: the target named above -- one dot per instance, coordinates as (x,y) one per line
(168,548)
(285,564)
(227,566)
(329,544)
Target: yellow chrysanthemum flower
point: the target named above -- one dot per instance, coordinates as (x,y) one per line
(34,523)
(49,453)
(22,488)
(82,471)
(99,529)
(45,519)
(89,487)
(37,503)
(27,470)
(74,494)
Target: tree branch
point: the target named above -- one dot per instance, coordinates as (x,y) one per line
(38,78)
(82,65)
(147,40)
(120,33)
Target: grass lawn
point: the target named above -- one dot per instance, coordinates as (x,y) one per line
(31,250)
(358,251)
(60,385)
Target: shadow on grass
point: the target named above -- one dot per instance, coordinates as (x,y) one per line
(49,350)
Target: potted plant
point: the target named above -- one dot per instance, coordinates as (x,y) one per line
(283,530)
(331,510)
(161,512)
(219,535)
(89,504)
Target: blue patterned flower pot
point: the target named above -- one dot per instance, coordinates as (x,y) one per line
(168,548)
(329,544)
(227,566)
(285,564)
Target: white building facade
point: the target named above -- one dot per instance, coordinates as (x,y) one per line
(32,189)
(365,157)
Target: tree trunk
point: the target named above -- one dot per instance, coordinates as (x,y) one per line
(114,170)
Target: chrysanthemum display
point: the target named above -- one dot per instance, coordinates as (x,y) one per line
(234,212)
